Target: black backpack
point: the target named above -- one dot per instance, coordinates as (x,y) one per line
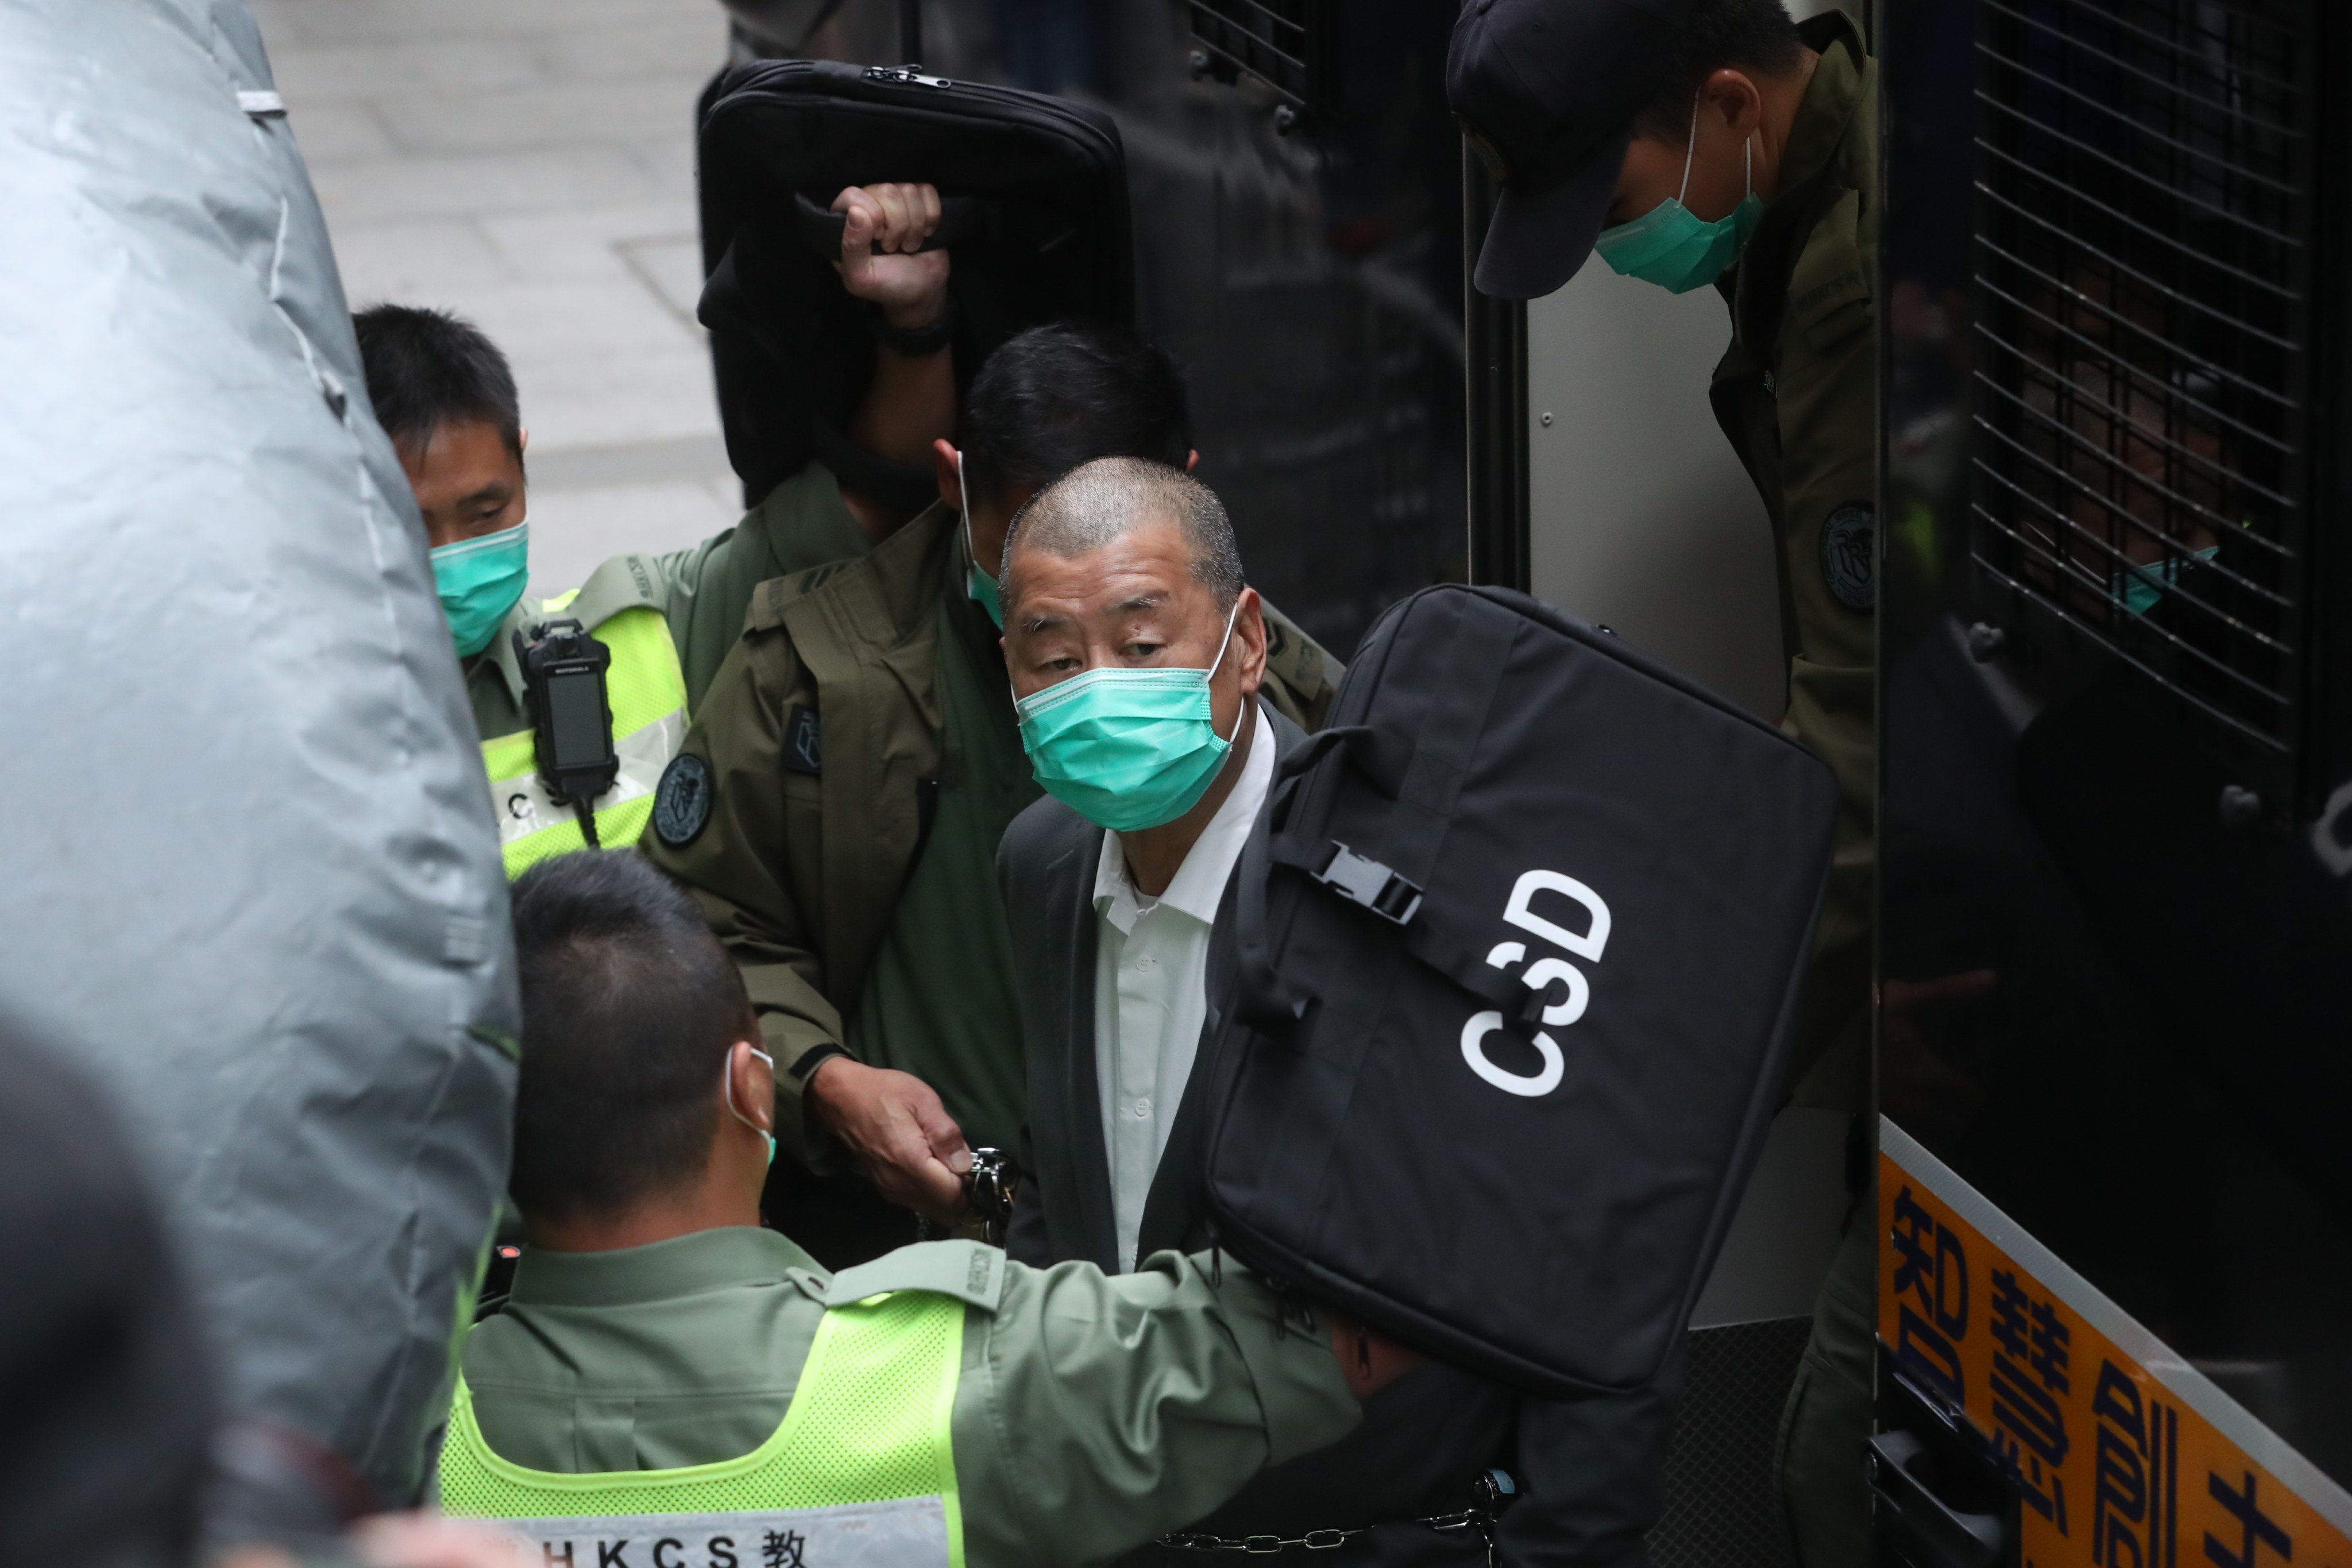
(1500,989)
(1033,197)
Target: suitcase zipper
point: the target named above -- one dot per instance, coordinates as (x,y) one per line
(906,75)
(1037,109)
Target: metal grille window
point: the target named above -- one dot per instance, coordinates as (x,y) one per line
(2142,272)
(1285,44)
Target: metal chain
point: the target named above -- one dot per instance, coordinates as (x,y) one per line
(1259,1545)
(1478,1518)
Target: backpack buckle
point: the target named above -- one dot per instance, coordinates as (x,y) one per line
(1362,881)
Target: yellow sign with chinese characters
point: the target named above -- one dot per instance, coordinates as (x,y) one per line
(2123,1455)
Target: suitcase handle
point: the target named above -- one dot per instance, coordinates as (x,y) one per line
(819,228)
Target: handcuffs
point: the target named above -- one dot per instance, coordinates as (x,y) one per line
(988,1191)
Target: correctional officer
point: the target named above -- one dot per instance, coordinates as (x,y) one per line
(1698,142)
(444,392)
(670,1384)
(837,804)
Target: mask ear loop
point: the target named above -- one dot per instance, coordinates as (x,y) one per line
(1690,150)
(726,1087)
(1230,617)
(963,507)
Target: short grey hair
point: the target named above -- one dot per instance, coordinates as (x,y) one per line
(1097,502)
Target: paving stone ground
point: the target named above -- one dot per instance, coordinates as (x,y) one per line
(529,163)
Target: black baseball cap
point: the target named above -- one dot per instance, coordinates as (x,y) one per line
(1547,91)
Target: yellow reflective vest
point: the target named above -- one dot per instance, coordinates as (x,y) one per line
(646,689)
(860,1470)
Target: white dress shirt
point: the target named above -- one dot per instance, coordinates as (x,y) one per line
(1151,964)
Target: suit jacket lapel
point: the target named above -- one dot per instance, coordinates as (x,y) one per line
(1072,877)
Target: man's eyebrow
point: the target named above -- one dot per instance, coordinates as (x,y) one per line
(497,489)
(1043,623)
(1150,601)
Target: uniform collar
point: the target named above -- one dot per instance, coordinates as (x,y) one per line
(683,1265)
(886,595)
(499,657)
(631,582)
(1831,98)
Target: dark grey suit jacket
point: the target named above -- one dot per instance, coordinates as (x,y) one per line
(1045,865)
(1588,1468)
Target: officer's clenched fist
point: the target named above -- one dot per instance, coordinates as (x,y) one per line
(882,257)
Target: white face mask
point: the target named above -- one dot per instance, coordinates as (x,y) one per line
(727,1089)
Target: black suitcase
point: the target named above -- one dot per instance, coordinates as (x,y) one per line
(1499,991)
(1034,192)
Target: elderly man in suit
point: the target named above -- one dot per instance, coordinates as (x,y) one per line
(1136,651)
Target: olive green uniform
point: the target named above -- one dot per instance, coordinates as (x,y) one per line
(1798,395)
(863,759)
(1092,1412)
(702,592)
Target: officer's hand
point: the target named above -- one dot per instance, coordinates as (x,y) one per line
(894,220)
(895,1124)
(1370,1361)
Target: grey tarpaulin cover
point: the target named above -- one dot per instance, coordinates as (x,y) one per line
(250,877)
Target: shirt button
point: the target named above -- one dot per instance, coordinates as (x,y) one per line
(1142,1108)
(1144,962)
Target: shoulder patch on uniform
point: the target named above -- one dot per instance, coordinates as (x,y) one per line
(970,1272)
(803,742)
(682,800)
(1850,557)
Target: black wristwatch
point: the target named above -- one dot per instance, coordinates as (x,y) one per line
(813,1058)
(917,342)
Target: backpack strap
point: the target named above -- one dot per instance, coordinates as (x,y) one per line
(1263,1001)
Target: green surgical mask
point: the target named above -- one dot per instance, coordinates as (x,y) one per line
(1673,248)
(2137,588)
(1128,749)
(480,580)
(726,1087)
(983,587)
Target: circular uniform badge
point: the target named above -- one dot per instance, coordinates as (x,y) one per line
(682,800)
(1850,557)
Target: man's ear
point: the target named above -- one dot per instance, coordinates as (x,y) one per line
(1249,641)
(522,438)
(1191,460)
(747,1078)
(943,470)
(1735,96)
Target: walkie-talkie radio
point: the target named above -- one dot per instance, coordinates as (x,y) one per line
(571,718)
